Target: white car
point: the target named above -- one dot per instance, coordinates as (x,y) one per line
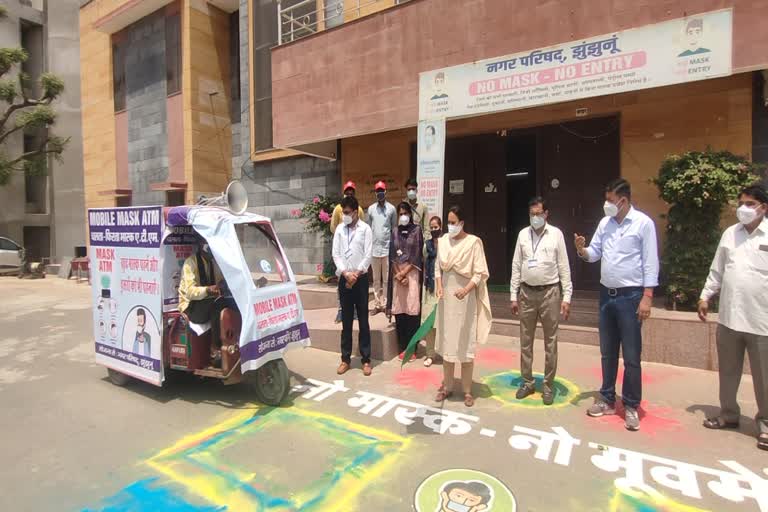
(11,256)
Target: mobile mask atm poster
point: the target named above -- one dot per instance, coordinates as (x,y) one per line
(126,287)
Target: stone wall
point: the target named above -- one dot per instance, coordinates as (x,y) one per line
(276,188)
(146,105)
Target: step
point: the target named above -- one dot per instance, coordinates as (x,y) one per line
(577,334)
(326,335)
(316,295)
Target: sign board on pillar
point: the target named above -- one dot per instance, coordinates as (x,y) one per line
(430,168)
(682,50)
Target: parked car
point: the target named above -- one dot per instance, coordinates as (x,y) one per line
(11,256)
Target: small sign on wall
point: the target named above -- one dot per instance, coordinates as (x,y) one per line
(456,187)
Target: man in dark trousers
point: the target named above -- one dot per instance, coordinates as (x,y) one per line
(352,253)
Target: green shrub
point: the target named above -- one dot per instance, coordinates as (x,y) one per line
(697,186)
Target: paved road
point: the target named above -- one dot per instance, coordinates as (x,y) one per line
(73,441)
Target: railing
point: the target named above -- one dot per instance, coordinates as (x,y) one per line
(301,18)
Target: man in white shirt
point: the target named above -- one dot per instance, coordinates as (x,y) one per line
(625,243)
(352,249)
(383,220)
(739,273)
(540,269)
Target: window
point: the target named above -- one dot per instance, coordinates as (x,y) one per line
(265,37)
(264,259)
(174,198)
(123,201)
(118,71)
(234,65)
(173,53)
(7,245)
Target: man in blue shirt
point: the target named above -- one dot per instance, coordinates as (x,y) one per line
(626,246)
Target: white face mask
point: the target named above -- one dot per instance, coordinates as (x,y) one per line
(610,209)
(454,229)
(346,219)
(412,195)
(537,221)
(746,215)
(457,507)
(404,220)
(140,329)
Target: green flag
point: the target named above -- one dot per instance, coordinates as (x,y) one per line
(425,327)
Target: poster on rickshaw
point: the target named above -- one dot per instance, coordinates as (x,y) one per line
(127,290)
(179,242)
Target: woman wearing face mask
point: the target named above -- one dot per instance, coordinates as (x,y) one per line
(404,286)
(429,298)
(464,308)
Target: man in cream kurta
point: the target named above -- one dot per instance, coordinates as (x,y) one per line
(540,269)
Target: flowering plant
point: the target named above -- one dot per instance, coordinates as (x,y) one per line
(697,186)
(317,213)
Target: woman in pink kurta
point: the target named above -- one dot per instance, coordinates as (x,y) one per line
(464,307)
(405,276)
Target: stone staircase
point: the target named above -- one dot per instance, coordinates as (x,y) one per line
(320,306)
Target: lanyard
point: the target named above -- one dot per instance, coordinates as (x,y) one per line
(350,238)
(536,246)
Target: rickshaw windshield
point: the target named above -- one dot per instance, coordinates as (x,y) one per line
(262,254)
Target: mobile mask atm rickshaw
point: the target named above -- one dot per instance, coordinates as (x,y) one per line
(137,256)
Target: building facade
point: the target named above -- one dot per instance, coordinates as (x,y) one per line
(328,91)
(46,214)
(359,84)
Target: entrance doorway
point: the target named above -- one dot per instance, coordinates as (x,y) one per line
(493,176)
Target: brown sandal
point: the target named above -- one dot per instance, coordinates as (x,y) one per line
(469,400)
(442,394)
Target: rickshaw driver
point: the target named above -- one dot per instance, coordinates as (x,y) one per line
(200,298)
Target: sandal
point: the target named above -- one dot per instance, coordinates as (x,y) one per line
(469,400)
(442,394)
(428,362)
(762,441)
(718,423)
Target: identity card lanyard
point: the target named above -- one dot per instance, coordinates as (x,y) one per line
(532,262)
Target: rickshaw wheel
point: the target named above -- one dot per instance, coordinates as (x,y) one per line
(117,378)
(271,382)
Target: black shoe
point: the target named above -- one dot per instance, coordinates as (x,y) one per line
(524,391)
(548,397)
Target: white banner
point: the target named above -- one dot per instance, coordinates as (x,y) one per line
(125,268)
(431,165)
(672,52)
(273,318)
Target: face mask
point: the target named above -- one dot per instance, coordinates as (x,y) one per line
(436,233)
(746,215)
(454,229)
(610,209)
(405,220)
(346,219)
(412,195)
(140,329)
(206,249)
(537,221)
(381,195)
(457,507)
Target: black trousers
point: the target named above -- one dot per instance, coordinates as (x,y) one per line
(209,309)
(355,298)
(406,326)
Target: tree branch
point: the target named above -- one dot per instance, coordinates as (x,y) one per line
(37,152)
(13,108)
